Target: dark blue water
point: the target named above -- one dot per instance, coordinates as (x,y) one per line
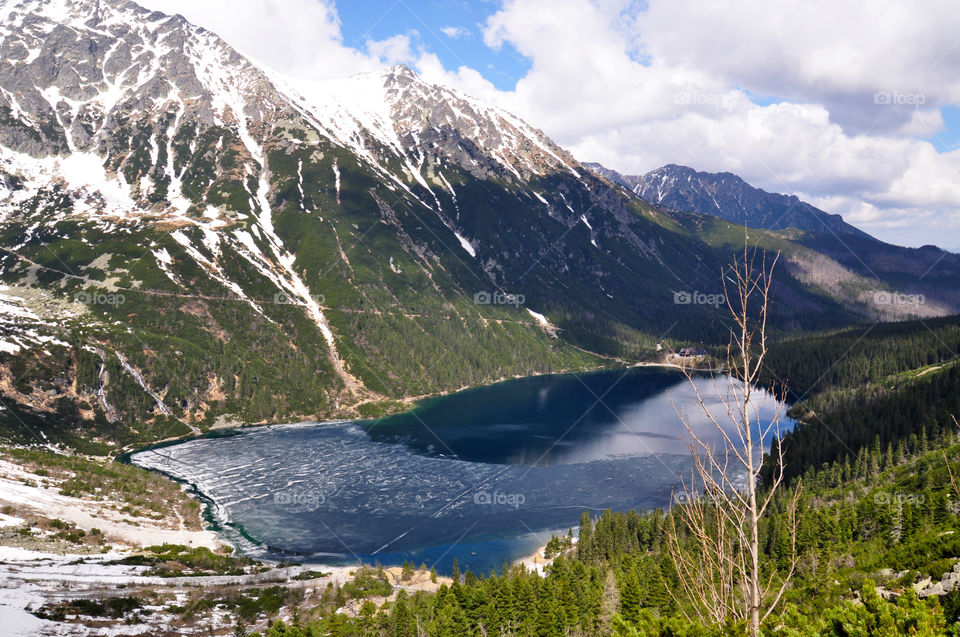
(483,476)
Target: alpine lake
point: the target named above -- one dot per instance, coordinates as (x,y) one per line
(483,476)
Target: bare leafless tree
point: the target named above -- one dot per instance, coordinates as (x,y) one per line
(953,480)
(714,537)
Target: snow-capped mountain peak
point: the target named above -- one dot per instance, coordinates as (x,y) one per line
(420,122)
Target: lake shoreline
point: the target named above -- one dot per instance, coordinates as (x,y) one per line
(537,562)
(570,391)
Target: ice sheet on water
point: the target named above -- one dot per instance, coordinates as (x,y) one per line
(331,489)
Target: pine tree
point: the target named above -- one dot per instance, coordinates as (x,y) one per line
(404,624)
(630,596)
(548,610)
(608,604)
(585,549)
(901,454)
(873,468)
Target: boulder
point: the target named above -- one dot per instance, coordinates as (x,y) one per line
(934,589)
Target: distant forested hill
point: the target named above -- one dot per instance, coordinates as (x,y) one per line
(872,384)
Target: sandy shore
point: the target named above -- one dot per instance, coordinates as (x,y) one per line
(31,579)
(537,561)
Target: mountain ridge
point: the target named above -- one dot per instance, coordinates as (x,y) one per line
(684,188)
(160,167)
(855,258)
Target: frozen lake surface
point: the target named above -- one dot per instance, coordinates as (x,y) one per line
(483,476)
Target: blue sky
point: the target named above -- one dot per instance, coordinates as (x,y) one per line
(948,139)
(450,30)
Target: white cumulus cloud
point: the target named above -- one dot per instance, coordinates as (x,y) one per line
(455,32)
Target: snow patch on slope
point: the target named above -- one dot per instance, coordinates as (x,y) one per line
(465,244)
(21,327)
(540,318)
(545,324)
(82,174)
(162,408)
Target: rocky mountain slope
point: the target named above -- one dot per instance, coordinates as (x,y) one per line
(188,239)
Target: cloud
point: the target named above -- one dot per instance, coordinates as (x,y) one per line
(300,38)
(397,49)
(855,88)
(839,54)
(455,33)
